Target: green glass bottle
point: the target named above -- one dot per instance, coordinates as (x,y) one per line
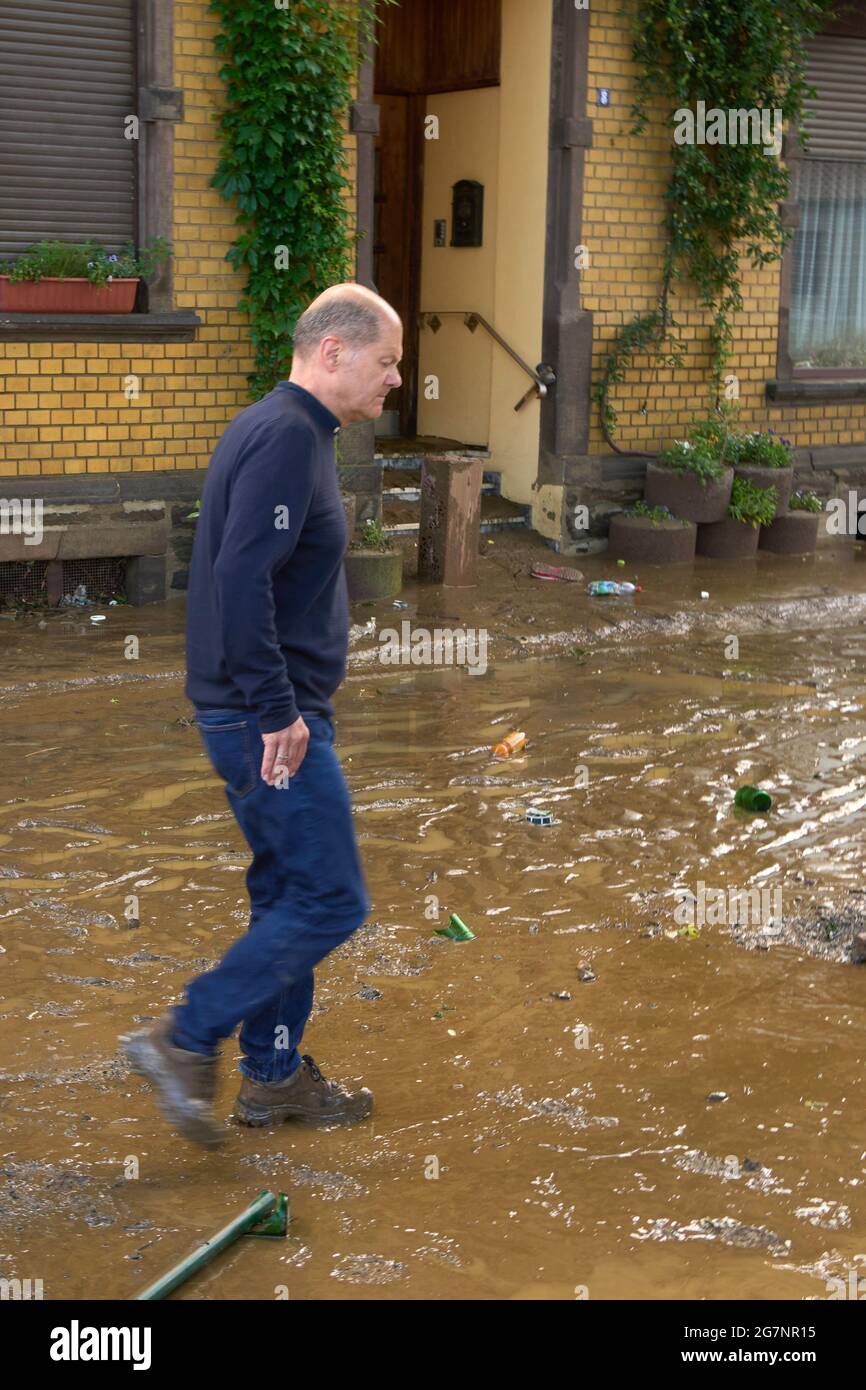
(753,799)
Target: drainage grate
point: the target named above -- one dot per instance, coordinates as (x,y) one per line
(22,580)
(104,579)
(30,581)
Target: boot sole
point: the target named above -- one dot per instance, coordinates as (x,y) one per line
(257,1116)
(147,1060)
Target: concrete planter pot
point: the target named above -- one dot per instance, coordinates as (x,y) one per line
(728,540)
(792,533)
(372,574)
(74,296)
(686,495)
(782,479)
(642,541)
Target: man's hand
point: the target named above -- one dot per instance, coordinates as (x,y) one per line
(285,750)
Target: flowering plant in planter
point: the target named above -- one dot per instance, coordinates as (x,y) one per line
(374,568)
(651,535)
(58,260)
(759,450)
(55,277)
(712,433)
(686,457)
(690,481)
(805,501)
(373,537)
(754,506)
(656,515)
(795,531)
(737,535)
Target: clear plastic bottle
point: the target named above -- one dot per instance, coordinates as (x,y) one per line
(612,586)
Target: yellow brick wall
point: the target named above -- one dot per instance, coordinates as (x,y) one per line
(62,405)
(622,230)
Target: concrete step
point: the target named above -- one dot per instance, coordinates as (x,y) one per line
(402,517)
(405,482)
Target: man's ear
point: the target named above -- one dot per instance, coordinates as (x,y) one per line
(331,351)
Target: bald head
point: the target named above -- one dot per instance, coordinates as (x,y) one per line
(350,312)
(347,347)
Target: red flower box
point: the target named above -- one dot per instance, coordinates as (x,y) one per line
(55,296)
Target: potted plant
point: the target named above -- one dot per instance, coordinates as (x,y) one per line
(374,569)
(54,277)
(688,480)
(651,536)
(736,538)
(764,460)
(794,532)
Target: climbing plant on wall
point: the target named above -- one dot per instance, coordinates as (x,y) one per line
(722,199)
(288,70)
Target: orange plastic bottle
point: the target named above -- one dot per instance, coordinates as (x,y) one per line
(512,744)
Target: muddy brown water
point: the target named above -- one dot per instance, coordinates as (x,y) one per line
(575,1145)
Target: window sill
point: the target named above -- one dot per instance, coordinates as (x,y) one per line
(177,327)
(816,392)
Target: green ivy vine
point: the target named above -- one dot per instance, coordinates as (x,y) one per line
(288,68)
(722,201)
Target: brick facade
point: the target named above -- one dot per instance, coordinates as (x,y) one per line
(622,228)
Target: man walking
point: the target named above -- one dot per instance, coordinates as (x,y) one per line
(267,640)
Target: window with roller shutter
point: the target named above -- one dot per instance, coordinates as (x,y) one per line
(827,324)
(71,74)
(67,83)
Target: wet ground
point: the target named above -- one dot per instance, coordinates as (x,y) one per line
(595,1096)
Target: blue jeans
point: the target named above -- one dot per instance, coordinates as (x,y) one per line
(307,895)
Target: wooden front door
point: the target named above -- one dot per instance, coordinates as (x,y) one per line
(397,234)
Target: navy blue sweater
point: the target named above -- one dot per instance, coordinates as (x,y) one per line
(267,625)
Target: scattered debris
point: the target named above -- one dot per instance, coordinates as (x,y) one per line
(585,972)
(512,743)
(716,1096)
(612,586)
(542,571)
(368,1269)
(726,1230)
(78,599)
(267,1216)
(358,630)
(456,930)
(446,1009)
(536,817)
(753,799)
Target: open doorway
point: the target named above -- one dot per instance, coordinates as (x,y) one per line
(424,47)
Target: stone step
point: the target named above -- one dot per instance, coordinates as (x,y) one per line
(402,517)
(405,483)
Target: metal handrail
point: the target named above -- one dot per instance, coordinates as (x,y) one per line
(543,377)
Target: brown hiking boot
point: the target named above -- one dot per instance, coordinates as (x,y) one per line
(306,1095)
(185,1082)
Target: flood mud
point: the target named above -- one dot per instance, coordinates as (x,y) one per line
(606,1088)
